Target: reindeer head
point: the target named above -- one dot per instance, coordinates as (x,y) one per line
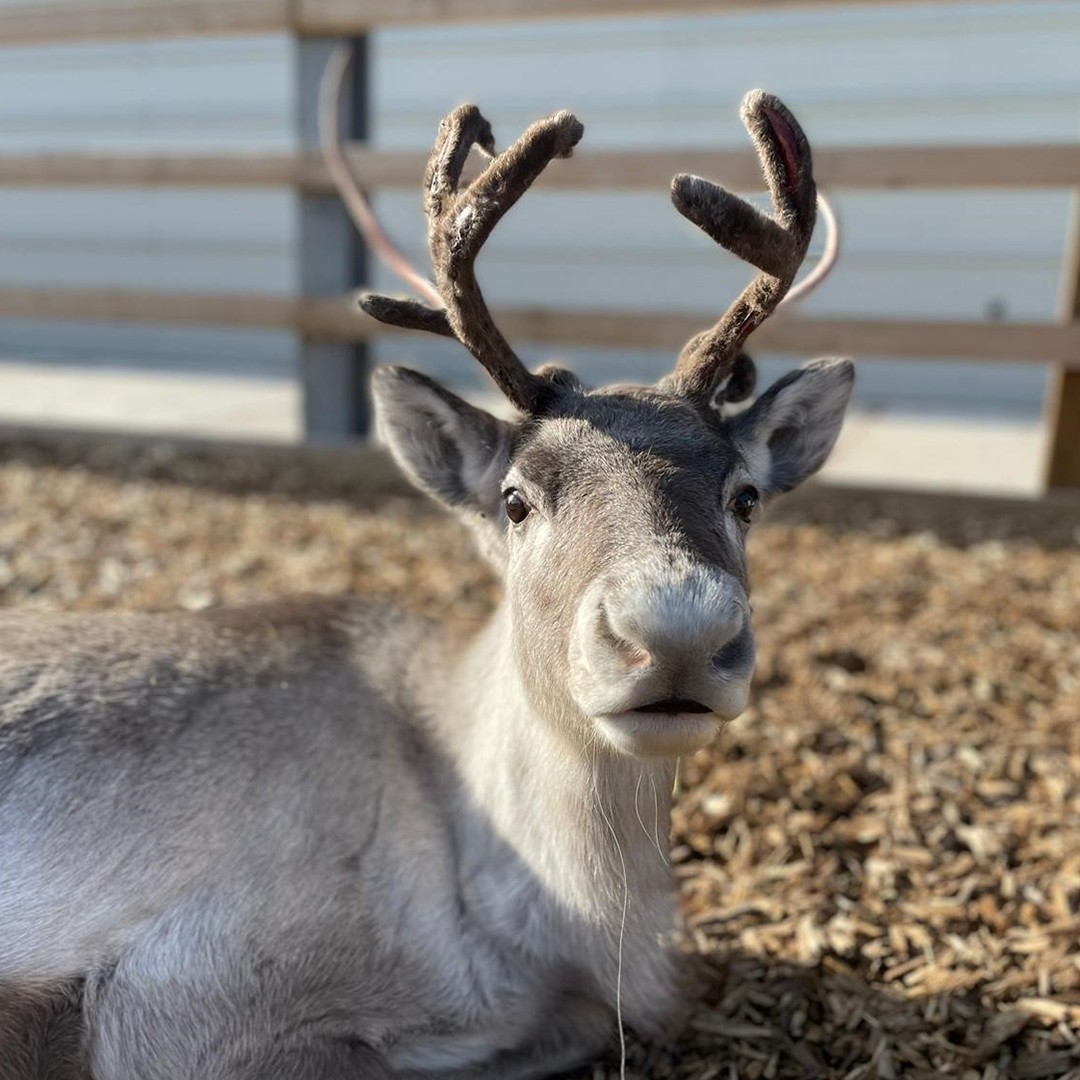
(618,517)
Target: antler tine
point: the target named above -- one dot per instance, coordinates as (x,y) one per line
(775,245)
(459,221)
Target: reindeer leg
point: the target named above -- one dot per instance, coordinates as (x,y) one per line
(198,998)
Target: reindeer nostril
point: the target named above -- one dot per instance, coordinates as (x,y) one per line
(735,655)
(635,656)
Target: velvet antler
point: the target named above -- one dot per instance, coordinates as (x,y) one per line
(459,221)
(712,363)
(775,245)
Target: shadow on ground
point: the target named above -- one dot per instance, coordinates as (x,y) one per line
(766,1019)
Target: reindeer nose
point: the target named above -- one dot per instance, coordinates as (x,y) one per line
(679,622)
(667,635)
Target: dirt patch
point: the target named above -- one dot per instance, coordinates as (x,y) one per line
(880,861)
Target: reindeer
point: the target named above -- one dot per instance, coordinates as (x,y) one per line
(317,839)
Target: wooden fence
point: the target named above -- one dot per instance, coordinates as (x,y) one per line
(321,319)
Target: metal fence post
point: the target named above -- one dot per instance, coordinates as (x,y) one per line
(331,257)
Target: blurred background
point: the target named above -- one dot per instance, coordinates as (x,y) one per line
(158,174)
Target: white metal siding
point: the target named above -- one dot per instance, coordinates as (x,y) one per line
(202,94)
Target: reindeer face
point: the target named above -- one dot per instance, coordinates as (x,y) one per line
(627,576)
(618,517)
(619,522)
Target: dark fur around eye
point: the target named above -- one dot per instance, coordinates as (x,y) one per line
(745,502)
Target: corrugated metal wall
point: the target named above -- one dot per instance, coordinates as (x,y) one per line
(200,94)
(862,75)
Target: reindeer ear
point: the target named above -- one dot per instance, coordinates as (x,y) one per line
(787,434)
(738,385)
(448,448)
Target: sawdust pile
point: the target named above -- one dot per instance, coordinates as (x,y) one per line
(880,861)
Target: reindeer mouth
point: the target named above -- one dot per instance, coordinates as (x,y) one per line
(673,705)
(667,728)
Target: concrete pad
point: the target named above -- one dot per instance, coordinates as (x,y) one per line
(160,403)
(940,453)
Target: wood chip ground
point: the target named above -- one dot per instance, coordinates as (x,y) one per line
(879,862)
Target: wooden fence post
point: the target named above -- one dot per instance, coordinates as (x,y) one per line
(332,257)
(1063,403)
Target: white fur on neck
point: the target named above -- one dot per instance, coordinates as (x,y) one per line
(536,851)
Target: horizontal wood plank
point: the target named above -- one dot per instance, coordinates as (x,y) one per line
(1042,165)
(173,308)
(40,24)
(337,319)
(346,17)
(49,169)
(861,338)
(35,24)
(1038,166)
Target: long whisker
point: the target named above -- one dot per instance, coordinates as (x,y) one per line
(637,809)
(656,821)
(650,836)
(622,931)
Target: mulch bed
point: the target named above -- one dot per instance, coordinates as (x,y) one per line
(879,862)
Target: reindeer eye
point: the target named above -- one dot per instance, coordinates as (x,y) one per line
(517,509)
(746,499)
